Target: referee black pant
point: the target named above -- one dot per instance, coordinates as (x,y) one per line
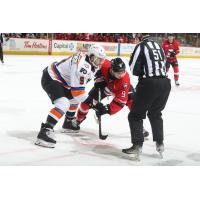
(1,52)
(150,98)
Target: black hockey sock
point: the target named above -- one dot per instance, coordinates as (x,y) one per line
(70,115)
(51,121)
(54,116)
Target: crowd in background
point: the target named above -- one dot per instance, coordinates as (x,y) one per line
(27,35)
(185,39)
(98,37)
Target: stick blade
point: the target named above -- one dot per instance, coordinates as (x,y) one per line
(103,137)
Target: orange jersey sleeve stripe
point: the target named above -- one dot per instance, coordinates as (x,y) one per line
(76,93)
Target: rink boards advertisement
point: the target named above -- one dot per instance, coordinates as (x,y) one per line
(64,47)
(26,46)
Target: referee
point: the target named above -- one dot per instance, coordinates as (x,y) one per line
(1,50)
(152,91)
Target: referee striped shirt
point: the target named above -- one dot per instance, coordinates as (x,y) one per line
(148,59)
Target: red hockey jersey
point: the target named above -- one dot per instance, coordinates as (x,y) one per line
(169,46)
(119,88)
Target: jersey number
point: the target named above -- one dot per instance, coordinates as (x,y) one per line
(123,94)
(157,54)
(81,80)
(84,71)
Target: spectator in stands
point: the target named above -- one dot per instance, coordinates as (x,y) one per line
(131,37)
(30,35)
(42,36)
(85,36)
(91,36)
(111,37)
(105,37)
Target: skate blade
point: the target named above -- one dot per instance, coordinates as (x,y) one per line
(161,155)
(42,143)
(135,157)
(69,131)
(132,157)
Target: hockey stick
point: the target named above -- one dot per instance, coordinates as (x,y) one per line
(102,137)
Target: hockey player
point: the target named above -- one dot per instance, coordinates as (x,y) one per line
(171,49)
(113,80)
(65,82)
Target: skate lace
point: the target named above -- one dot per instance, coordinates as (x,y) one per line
(50,133)
(74,123)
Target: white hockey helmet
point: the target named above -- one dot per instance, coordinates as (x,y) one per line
(98,53)
(97,50)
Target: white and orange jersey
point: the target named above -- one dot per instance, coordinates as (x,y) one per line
(73,73)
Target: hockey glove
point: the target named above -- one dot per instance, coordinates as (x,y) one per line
(172,53)
(101,109)
(100,83)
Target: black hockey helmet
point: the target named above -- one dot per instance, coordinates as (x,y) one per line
(117,65)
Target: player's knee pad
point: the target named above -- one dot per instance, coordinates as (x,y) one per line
(62,103)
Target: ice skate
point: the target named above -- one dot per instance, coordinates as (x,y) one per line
(70,126)
(177,83)
(133,152)
(45,137)
(160,148)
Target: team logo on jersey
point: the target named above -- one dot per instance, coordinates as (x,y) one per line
(83,70)
(86,65)
(124,85)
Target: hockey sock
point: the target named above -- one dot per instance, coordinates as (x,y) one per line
(176,73)
(54,116)
(71,112)
(70,115)
(82,112)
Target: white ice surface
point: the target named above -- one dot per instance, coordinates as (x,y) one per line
(24,105)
